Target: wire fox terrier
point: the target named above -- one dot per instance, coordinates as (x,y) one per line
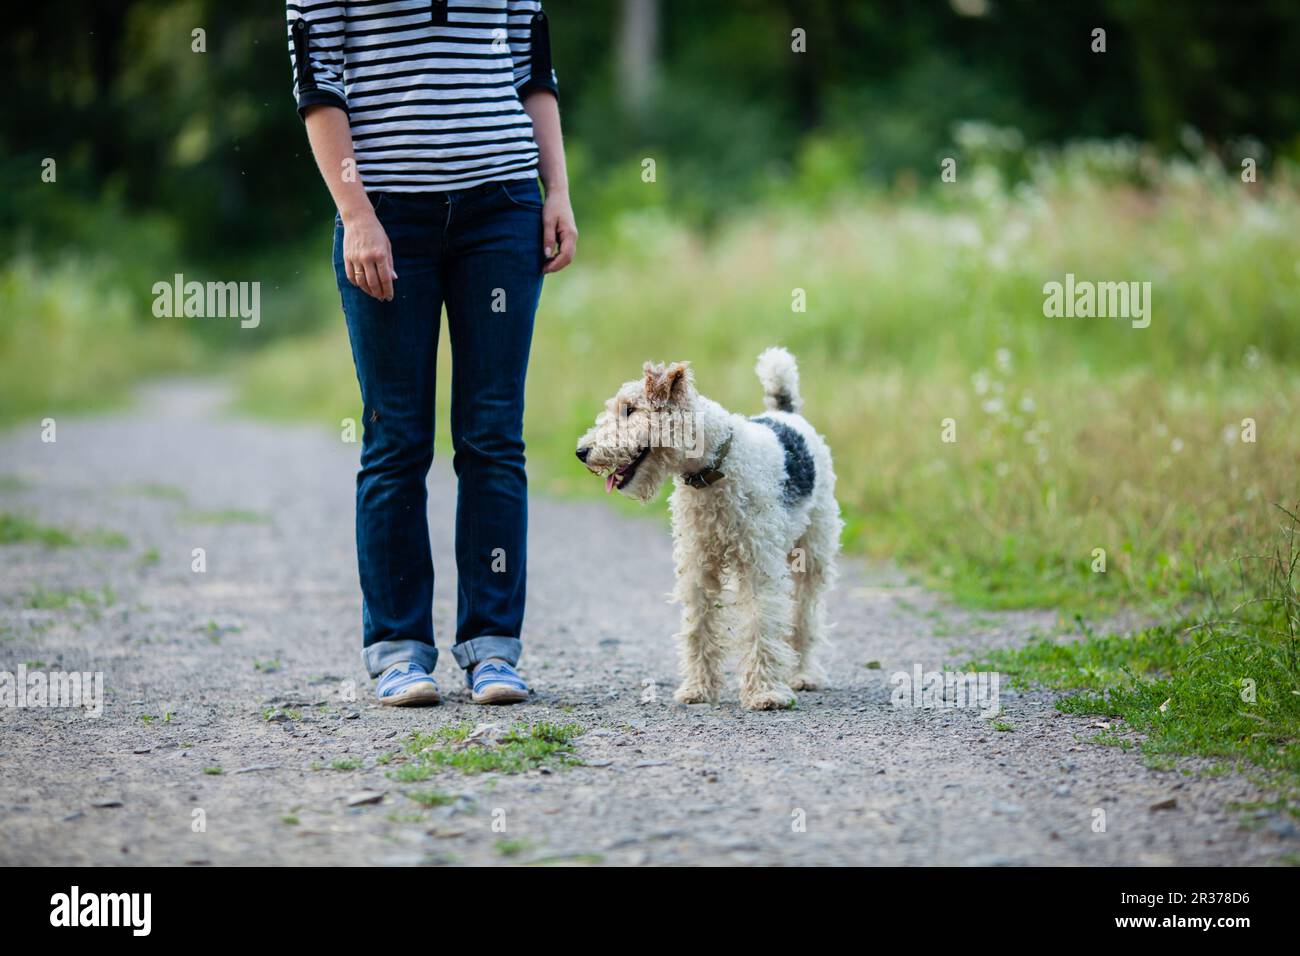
(754,508)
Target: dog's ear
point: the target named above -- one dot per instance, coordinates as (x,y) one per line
(656,383)
(664,384)
(679,378)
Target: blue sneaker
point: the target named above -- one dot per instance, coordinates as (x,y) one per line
(407,685)
(496,682)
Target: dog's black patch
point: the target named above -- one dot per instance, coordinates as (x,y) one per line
(800,472)
(783,401)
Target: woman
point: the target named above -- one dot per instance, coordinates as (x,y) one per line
(431,121)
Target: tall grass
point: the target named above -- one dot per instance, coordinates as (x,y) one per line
(70,339)
(78,328)
(1072,434)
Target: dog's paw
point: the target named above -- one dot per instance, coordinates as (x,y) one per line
(814,678)
(694,694)
(772,698)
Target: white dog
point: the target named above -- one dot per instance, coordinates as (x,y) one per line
(754,504)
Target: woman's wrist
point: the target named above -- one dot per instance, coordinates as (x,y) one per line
(353,212)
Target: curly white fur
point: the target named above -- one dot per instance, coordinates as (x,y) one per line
(779,556)
(779,376)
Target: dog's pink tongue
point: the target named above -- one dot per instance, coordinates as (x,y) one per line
(609,482)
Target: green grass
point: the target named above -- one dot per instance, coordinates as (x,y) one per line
(217,631)
(157,490)
(1194,675)
(77,331)
(15,529)
(56,599)
(105,539)
(521,748)
(430,798)
(1225,685)
(512,848)
(72,336)
(395,817)
(347,764)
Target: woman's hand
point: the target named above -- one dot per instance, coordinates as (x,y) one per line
(559,231)
(367,255)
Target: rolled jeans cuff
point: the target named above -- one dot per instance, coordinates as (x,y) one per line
(478,649)
(382,655)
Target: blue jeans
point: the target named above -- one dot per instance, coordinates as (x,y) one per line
(478,251)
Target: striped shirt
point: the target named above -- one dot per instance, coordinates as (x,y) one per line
(432,88)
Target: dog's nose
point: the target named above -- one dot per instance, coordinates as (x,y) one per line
(582,454)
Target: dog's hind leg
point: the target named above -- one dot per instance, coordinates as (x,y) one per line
(767,660)
(813,567)
(700,642)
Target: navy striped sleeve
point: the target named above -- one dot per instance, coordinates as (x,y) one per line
(530,47)
(316,39)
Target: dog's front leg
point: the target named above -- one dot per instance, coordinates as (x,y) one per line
(700,643)
(767,660)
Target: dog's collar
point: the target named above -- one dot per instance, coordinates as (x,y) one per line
(710,474)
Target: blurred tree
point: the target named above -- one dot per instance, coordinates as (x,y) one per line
(135,119)
(638,52)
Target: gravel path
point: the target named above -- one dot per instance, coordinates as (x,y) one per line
(194,663)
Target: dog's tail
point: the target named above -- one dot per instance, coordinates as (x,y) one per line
(779,374)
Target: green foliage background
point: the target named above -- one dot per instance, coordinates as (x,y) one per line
(211,142)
